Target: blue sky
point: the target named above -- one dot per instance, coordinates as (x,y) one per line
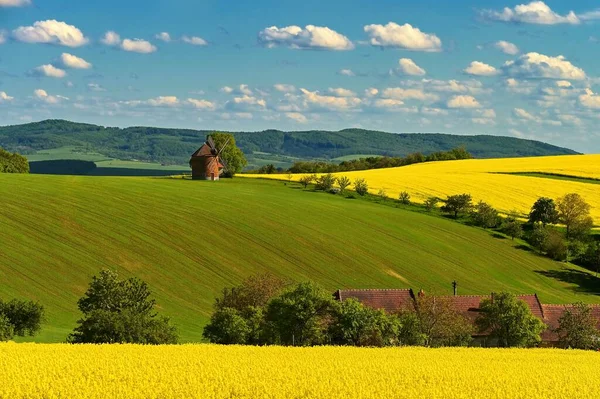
(524,69)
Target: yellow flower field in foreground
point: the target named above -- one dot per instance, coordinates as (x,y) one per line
(482,179)
(210,371)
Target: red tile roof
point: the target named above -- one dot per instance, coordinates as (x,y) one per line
(389,300)
(552,314)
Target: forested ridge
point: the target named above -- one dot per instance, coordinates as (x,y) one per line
(174,146)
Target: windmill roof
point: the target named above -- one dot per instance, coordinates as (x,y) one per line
(203,151)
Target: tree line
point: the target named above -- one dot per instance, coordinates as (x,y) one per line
(13,162)
(268,310)
(367,162)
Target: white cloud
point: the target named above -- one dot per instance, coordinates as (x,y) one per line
(95,87)
(194,40)
(311,37)
(14,3)
(71,61)
(164,36)
(163,101)
(564,83)
(246,102)
(536,12)
(52,32)
(226,90)
(433,111)
(242,89)
(204,105)
(400,93)
(330,102)
(42,95)
(515,86)
(296,116)
(285,88)
(5,97)
(408,67)
(49,71)
(111,38)
(341,92)
(471,86)
(138,46)
(570,119)
(535,65)
(590,15)
(402,36)
(478,68)
(371,92)
(463,101)
(522,114)
(346,72)
(483,121)
(590,99)
(388,103)
(507,47)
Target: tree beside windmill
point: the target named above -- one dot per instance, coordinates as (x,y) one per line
(217,157)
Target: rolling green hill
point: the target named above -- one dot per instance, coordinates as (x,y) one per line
(174,146)
(189,239)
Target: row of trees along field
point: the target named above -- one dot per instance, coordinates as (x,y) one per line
(560,229)
(367,163)
(13,163)
(267,310)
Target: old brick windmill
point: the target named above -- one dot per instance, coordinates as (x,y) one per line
(206,162)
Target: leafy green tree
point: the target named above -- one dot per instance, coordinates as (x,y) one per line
(325,182)
(511,226)
(510,321)
(543,211)
(25,317)
(359,325)
(361,187)
(267,169)
(574,213)
(592,256)
(431,203)
(254,291)
(382,194)
(539,236)
(484,215)
(457,204)
(555,245)
(233,156)
(404,198)
(409,333)
(7,331)
(577,328)
(227,327)
(13,163)
(440,324)
(306,180)
(343,182)
(120,311)
(300,316)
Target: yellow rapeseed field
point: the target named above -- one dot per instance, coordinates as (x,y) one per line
(210,371)
(483,179)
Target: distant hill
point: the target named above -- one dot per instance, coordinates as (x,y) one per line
(173,146)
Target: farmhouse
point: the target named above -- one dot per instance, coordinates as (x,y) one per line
(394,300)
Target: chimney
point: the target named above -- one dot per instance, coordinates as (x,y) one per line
(455,287)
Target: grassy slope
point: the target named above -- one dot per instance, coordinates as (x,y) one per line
(188,239)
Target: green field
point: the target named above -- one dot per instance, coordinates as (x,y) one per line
(189,239)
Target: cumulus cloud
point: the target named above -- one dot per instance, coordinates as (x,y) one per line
(138,46)
(164,36)
(14,3)
(563,83)
(49,70)
(507,47)
(536,12)
(163,101)
(589,99)
(71,61)
(311,37)
(330,102)
(242,89)
(463,101)
(478,68)
(194,40)
(371,92)
(51,32)
(204,105)
(95,87)
(388,104)
(522,114)
(402,36)
(42,95)
(5,97)
(296,116)
(535,65)
(408,67)
(346,72)
(246,103)
(470,86)
(111,38)
(341,92)
(515,86)
(400,93)
(570,119)
(285,88)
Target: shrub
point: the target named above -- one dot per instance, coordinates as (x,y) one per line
(306,180)
(484,215)
(382,194)
(431,203)
(457,204)
(511,226)
(343,182)
(25,317)
(404,198)
(361,187)
(325,182)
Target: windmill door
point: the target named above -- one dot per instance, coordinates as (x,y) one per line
(212,176)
